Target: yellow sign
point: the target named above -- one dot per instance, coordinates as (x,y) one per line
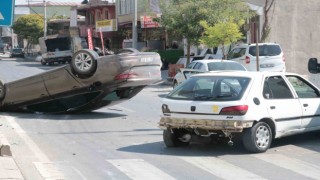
(215,108)
(106,25)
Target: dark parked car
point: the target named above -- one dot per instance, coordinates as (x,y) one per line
(89,82)
(17,52)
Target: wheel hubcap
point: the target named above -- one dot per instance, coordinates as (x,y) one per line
(263,137)
(83,62)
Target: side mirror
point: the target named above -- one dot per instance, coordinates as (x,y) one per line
(313,66)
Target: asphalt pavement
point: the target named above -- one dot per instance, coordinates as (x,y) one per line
(8,166)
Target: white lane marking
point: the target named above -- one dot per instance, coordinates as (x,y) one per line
(41,156)
(221,168)
(296,165)
(139,169)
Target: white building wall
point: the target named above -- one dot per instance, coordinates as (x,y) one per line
(295,25)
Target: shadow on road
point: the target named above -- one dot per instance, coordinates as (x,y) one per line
(309,141)
(69,117)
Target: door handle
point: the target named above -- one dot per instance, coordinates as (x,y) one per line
(305,105)
(272,107)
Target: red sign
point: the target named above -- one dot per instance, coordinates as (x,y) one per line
(90,39)
(147,22)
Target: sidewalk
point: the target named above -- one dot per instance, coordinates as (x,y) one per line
(8,167)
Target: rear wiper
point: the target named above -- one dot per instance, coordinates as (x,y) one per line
(224,95)
(203,97)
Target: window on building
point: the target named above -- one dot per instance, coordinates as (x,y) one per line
(125,7)
(106,14)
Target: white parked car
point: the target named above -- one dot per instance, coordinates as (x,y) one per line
(271,57)
(258,106)
(201,66)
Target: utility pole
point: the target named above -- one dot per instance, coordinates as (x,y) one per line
(45,15)
(45,19)
(134,26)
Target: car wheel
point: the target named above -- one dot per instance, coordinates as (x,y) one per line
(83,63)
(43,62)
(171,139)
(2,90)
(258,138)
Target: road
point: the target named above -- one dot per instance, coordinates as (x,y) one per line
(124,142)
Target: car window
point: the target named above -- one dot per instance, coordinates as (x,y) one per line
(211,88)
(197,66)
(217,66)
(276,88)
(236,53)
(190,65)
(265,50)
(303,88)
(17,50)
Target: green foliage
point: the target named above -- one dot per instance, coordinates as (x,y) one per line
(170,56)
(29,27)
(222,33)
(182,18)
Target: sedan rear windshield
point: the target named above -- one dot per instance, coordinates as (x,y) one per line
(211,88)
(218,66)
(265,50)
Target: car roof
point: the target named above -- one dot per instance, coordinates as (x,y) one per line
(243,73)
(254,44)
(216,60)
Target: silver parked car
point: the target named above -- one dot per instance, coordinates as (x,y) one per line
(201,66)
(89,82)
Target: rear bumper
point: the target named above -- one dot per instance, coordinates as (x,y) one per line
(224,125)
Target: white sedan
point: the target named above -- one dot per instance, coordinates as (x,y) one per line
(259,106)
(200,66)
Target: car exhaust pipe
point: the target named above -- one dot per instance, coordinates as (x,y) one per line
(185,138)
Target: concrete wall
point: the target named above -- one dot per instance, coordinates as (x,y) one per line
(295,26)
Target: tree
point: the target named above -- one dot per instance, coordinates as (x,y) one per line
(222,33)
(29,27)
(182,17)
(266,24)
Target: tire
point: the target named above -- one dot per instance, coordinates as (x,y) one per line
(258,138)
(2,90)
(43,62)
(171,139)
(83,64)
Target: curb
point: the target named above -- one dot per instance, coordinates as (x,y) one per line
(4,146)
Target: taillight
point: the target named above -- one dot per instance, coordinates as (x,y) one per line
(126,75)
(283,58)
(234,110)
(247,59)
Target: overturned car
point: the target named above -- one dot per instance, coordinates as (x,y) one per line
(89,82)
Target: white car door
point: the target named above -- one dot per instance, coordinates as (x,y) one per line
(309,98)
(283,107)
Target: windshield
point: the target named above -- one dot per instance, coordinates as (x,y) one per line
(211,88)
(217,66)
(17,50)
